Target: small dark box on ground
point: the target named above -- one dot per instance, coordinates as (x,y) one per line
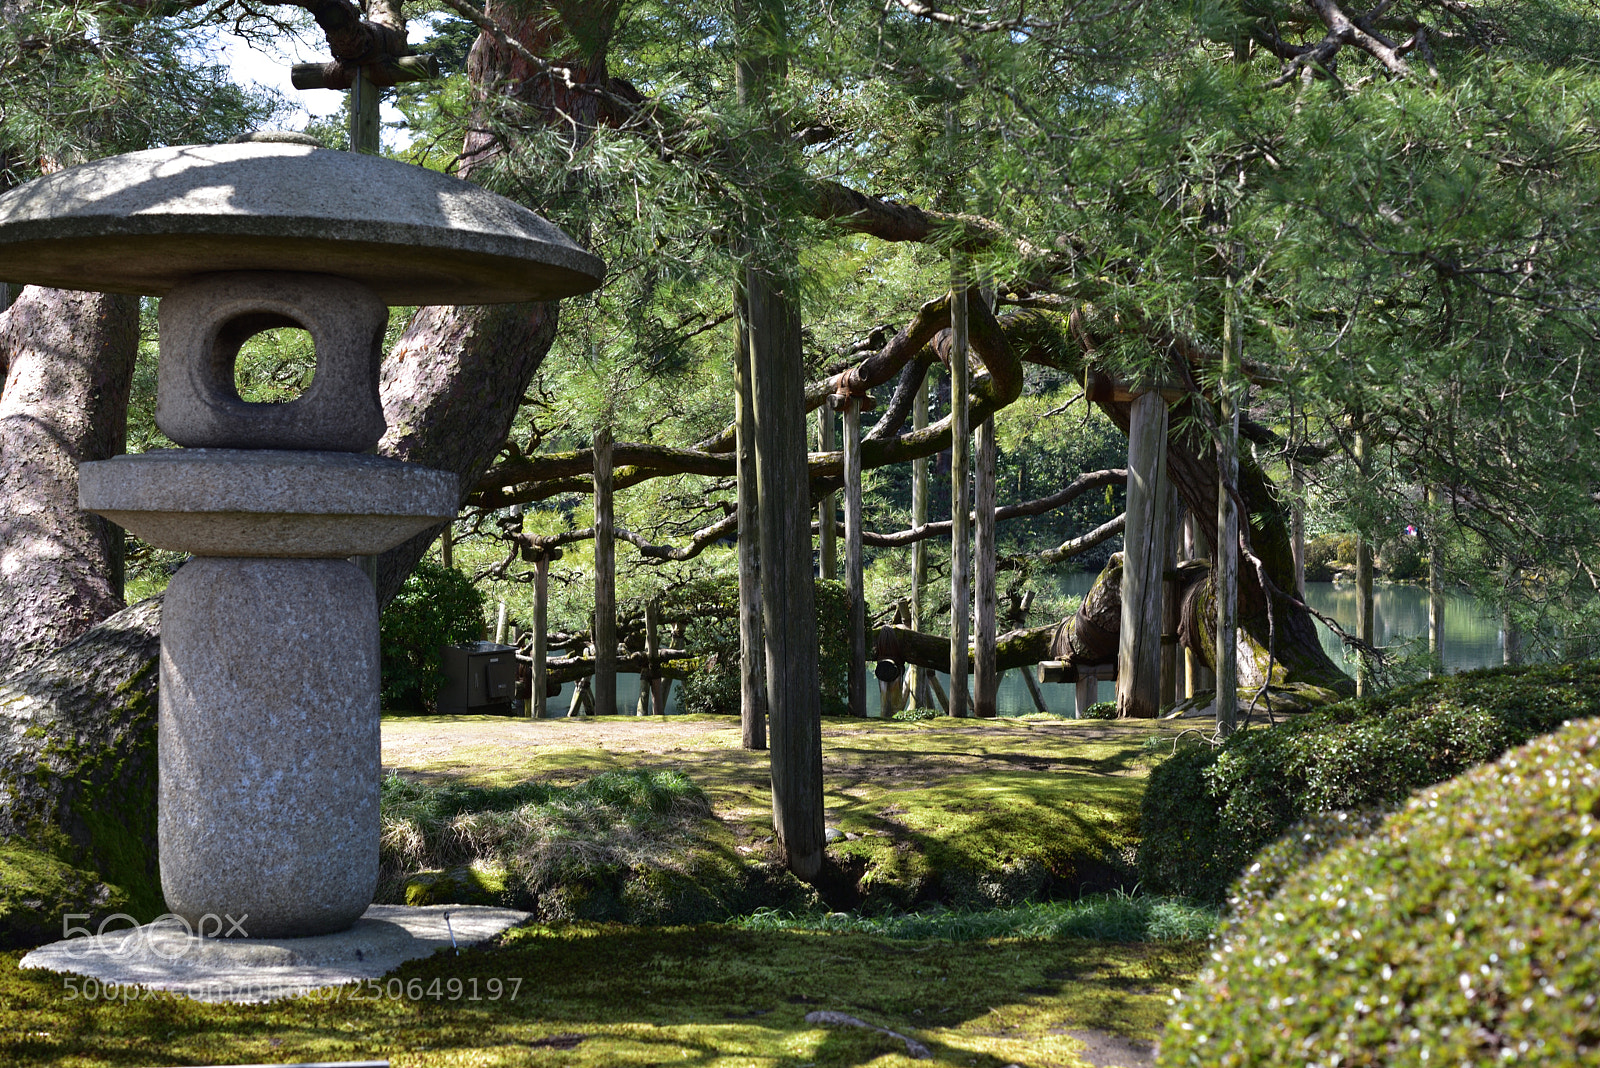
(480,677)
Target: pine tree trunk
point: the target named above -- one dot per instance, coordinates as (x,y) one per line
(69,359)
(828,509)
(788,606)
(1144,554)
(920,696)
(855,580)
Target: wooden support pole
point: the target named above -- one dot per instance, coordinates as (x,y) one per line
(985,680)
(605,579)
(364,115)
(788,604)
(541,636)
(938,691)
(1225,555)
(1196,546)
(855,580)
(1172,546)
(960,502)
(1034,691)
(1297,525)
(500,624)
(752,647)
(1435,588)
(921,695)
(447,545)
(1143,557)
(1365,623)
(828,508)
(652,652)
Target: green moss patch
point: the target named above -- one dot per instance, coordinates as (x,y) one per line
(1464,930)
(38,890)
(605,995)
(968,813)
(1208,811)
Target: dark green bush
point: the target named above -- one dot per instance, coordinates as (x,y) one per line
(713,633)
(1101,710)
(1320,558)
(1464,931)
(1207,812)
(436,606)
(1402,558)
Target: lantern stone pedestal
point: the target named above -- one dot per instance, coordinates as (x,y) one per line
(268,734)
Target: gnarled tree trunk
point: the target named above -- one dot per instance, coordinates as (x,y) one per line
(70,363)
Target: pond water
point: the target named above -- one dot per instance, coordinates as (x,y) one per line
(1472,639)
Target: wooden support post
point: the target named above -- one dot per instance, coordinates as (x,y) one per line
(1366,628)
(1196,546)
(1297,525)
(447,555)
(752,647)
(1511,632)
(1225,556)
(788,598)
(828,508)
(541,636)
(938,692)
(960,502)
(1435,588)
(1143,556)
(1034,691)
(985,680)
(364,116)
(605,579)
(1171,663)
(921,694)
(855,580)
(652,655)
(500,624)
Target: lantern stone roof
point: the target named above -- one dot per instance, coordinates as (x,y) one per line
(145,222)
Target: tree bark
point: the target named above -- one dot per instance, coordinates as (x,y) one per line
(80,750)
(788,607)
(540,650)
(986,675)
(752,643)
(1014,649)
(69,359)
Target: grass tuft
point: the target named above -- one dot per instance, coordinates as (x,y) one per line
(1117,917)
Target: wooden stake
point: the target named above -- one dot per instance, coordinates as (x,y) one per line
(605,579)
(1297,525)
(986,680)
(1225,557)
(652,655)
(960,502)
(1365,624)
(855,581)
(1034,691)
(364,116)
(1172,546)
(500,624)
(921,694)
(828,509)
(447,546)
(752,649)
(1435,589)
(1143,557)
(541,636)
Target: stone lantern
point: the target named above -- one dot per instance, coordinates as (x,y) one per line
(269,685)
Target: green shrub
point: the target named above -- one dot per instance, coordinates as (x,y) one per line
(1464,931)
(1207,811)
(1101,710)
(1324,552)
(913,715)
(713,635)
(436,606)
(1402,558)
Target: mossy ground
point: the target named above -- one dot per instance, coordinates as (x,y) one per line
(968,812)
(610,994)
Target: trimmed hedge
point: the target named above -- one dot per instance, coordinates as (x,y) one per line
(1465,930)
(436,606)
(1208,811)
